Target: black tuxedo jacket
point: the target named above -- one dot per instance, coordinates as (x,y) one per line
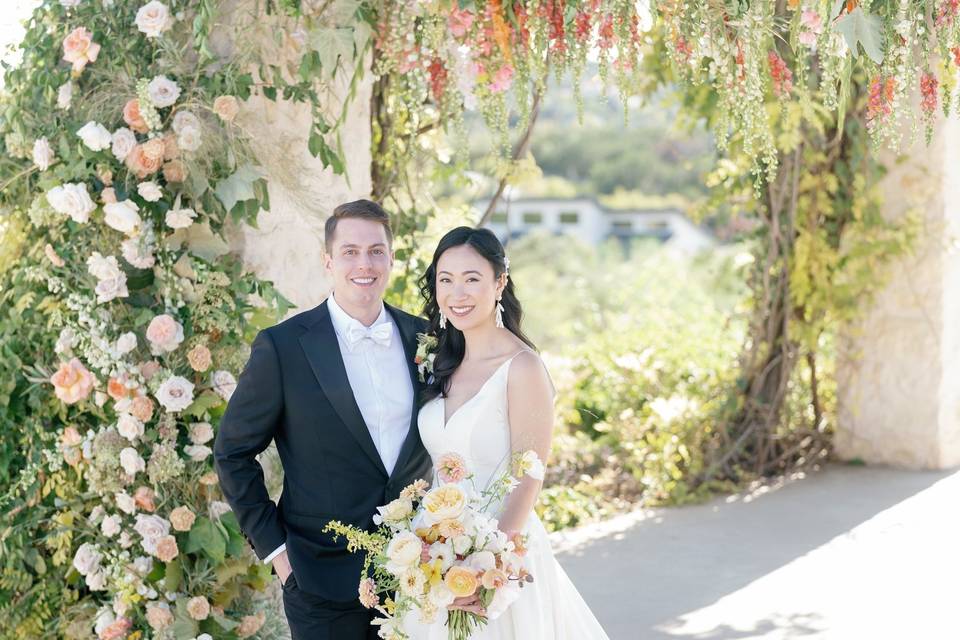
(294,390)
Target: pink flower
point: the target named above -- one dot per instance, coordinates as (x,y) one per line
(451,468)
(117,630)
(502,79)
(368,593)
(198,608)
(72,382)
(808,38)
(167,549)
(132,116)
(812,21)
(459,22)
(79,48)
(164,333)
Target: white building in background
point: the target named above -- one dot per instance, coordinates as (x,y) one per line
(588,220)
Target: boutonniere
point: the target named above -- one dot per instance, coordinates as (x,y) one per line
(426,352)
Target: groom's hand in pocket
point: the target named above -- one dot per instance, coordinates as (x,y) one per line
(281,564)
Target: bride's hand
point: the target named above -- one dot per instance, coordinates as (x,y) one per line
(470,604)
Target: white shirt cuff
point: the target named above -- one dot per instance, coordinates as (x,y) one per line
(275,553)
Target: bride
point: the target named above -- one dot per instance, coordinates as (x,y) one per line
(490,394)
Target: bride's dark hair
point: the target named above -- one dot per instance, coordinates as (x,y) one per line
(451,344)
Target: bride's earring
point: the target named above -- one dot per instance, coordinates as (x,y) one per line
(443,321)
(499,319)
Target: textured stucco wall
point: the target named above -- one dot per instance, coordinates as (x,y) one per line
(899,366)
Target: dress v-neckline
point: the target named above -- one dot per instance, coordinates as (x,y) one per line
(443,400)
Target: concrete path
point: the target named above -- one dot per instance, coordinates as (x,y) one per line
(848,553)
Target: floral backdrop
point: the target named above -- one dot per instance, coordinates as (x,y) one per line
(124,318)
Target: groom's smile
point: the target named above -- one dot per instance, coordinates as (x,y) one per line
(358,263)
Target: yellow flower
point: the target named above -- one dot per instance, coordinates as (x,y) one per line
(444,503)
(461,581)
(433,572)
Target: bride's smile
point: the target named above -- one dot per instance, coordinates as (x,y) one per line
(467,288)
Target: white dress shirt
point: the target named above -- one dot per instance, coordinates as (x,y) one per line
(380,380)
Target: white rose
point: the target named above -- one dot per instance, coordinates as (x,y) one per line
(103,268)
(403,552)
(122,143)
(224,384)
(129,427)
(97,581)
(462,544)
(189,139)
(65,95)
(175,394)
(396,511)
(122,216)
(42,154)
(184,119)
(126,540)
(126,343)
(131,461)
(125,502)
(137,253)
(197,452)
(108,290)
(72,199)
(201,432)
(218,508)
(110,526)
(441,595)
(153,19)
(95,136)
(151,528)
(143,565)
(180,218)
(70,4)
(97,513)
(163,92)
(481,561)
(87,559)
(149,191)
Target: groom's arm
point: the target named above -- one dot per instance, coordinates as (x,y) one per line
(246,429)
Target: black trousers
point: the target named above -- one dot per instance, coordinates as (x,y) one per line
(314,618)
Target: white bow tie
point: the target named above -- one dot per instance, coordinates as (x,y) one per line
(380,334)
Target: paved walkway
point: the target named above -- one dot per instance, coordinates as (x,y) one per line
(848,553)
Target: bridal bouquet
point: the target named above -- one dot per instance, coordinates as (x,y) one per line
(434,545)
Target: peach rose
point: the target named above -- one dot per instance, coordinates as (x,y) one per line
(167,549)
(451,467)
(182,518)
(149,369)
(141,164)
(198,608)
(227,107)
(72,382)
(159,618)
(79,48)
(443,503)
(52,255)
(164,333)
(116,630)
(493,579)
(450,528)
(145,498)
(108,196)
(199,358)
(142,408)
(249,625)
(117,389)
(170,149)
(154,149)
(133,118)
(174,171)
(461,581)
(209,479)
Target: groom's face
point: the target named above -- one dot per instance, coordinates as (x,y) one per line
(359,263)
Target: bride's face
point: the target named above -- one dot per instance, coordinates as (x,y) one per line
(467,289)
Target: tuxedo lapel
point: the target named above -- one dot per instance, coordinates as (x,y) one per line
(320,345)
(408,334)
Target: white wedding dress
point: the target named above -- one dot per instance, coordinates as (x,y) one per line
(550,608)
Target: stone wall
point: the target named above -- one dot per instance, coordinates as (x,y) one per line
(899,366)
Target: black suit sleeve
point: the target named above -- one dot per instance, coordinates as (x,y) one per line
(246,429)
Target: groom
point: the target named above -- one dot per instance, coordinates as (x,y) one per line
(336,388)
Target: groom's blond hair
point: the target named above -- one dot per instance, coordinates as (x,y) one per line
(360,209)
